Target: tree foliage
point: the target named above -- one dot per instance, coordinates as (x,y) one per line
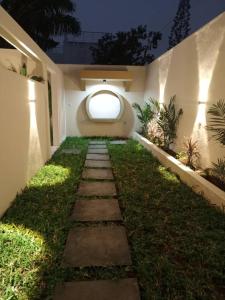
(126,48)
(42,19)
(181,24)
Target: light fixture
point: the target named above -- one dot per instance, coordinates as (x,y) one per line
(104,106)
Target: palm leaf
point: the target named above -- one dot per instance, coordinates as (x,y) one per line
(217,121)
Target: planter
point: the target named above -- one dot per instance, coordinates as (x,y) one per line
(200,185)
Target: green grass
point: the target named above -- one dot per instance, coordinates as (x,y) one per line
(34,230)
(176,237)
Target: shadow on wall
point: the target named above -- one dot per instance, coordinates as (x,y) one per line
(122,127)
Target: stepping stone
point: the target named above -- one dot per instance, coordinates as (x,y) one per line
(71,151)
(123,289)
(97,246)
(97,210)
(119,142)
(98,151)
(89,188)
(97,156)
(97,147)
(97,174)
(97,143)
(97,164)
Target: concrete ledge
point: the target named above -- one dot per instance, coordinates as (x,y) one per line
(200,185)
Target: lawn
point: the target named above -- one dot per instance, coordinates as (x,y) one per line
(34,230)
(176,237)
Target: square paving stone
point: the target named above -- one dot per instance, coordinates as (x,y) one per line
(97,156)
(98,151)
(97,143)
(97,164)
(123,289)
(71,151)
(97,246)
(97,174)
(97,147)
(97,210)
(97,188)
(119,142)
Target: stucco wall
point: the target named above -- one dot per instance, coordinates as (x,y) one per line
(24,116)
(77,121)
(24,138)
(194,72)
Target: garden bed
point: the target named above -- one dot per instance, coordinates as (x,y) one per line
(200,185)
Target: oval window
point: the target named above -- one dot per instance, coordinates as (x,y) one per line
(104,106)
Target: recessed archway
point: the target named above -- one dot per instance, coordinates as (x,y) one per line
(104,106)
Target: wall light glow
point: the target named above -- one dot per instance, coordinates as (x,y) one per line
(164,66)
(31,91)
(35,158)
(208,47)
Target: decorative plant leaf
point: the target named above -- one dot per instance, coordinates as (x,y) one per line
(168,121)
(146,114)
(217,121)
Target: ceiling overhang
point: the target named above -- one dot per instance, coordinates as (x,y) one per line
(107,75)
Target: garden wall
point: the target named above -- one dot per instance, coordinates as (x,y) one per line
(24,116)
(194,71)
(78,123)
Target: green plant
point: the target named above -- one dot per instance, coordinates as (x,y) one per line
(168,121)
(191,150)
(190,155)
(155,133)
(146,114)
(23,70)
(217,121)
(217,127)
(218,170)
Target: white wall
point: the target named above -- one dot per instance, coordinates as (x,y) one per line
(194,72)
(24,138)
(78,123)
(24,116)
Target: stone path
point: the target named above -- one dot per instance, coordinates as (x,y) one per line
(97,245)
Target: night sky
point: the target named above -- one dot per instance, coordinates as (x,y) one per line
(121,15)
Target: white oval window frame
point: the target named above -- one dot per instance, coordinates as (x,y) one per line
(107,119)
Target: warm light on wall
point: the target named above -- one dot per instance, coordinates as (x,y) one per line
(208,46)
(35,158)
(104,106)
(164,67)
(31,90)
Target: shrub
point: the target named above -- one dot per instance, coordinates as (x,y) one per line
(146,114)
(168,121)
(190,155)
